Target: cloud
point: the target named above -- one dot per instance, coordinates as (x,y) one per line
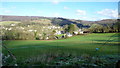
(98,18)
(89,18)
(83,17)
(81,12)
(56,14)
(39,11)
(55,2)
(13,7)
(1,8)
(7,11)
(4,10)
(64,1)
(109,13)
(65,7)
(92,18)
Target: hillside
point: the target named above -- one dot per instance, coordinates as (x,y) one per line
(56,21)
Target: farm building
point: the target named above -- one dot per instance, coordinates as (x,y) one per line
(69,35)
(80,31)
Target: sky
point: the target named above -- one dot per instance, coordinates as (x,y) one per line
(91,11)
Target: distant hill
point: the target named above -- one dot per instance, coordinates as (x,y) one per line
(56,21)
(19,18)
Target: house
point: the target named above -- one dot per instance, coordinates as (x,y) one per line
(69,35)
(75,32)
(12,24)
(80,31)
(58,33)
(47,38)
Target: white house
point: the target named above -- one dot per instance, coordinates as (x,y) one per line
(40,34)
(10,29)
(12,24)
(47,38)
(81,32)
(30,30)
(58,33)
(75,32)
(68,34)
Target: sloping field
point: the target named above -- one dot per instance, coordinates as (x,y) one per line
(9,22)
(77,45)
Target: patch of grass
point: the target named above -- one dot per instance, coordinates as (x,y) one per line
(60,35)
(76,45)
(9,22)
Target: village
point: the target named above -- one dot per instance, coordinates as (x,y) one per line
(60,34)
(39,32)
(67,34)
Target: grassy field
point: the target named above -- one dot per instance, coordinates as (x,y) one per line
(9,22)
(76,45)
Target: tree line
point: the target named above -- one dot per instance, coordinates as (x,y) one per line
(105,28)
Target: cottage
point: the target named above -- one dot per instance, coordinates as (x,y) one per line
(40,34)
(30,30)
(47,38)
(75,32)
(68,34)
(10,29)
(80,31)
(58,33)
(12,24)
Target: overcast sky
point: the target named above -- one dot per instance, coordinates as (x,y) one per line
(74,10)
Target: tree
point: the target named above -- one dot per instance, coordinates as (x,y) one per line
(72,27)
(107,28)
(51,36)
(44,36)
(65,27)
(117,26)
(35,35)
(96,28)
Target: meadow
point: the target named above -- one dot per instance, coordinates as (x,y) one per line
(79,45)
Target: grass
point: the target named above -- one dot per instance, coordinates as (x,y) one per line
(60,35)
(76,45)
(9,22)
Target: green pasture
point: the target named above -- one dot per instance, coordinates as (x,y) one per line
(76,45)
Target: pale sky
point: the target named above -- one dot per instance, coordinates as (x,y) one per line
(74,10)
